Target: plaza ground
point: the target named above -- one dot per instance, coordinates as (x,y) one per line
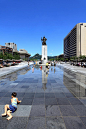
(60,104)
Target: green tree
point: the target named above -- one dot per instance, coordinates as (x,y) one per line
(16,56)
(1,55)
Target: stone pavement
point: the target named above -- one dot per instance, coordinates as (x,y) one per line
(58,106)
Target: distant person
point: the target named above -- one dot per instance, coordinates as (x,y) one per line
(28,63)
(54,64)
(11,108)
(32,69)
(48,66)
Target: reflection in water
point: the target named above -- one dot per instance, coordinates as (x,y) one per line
(54,70)
(45,73)
(14,76)
(33,69)
(75,82)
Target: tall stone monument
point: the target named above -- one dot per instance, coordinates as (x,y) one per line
(44,50)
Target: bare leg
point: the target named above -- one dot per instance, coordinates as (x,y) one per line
(5,108)
(9,114)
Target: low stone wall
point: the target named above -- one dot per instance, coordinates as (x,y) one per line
(11,69)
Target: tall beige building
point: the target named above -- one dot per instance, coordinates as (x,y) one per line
(13,46)
(75,41)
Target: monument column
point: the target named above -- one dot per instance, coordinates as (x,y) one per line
(44,50)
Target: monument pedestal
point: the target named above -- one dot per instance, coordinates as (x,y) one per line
(44,54)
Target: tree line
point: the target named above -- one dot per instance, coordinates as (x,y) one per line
(9,56)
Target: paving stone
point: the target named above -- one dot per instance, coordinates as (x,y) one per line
(63,101)
(73,123)
(53,81)
(3,122)
(65,90)
(75,101)
(67,110)
(22,111)
(25,86)
(36,123)
(83,101)
(14,84)
(29,95)
(50,101)
(80,109)
(39,95)
(20,94)
(55,123)
(38,101)
(59,95)
(18,123)
(37,111)
(83,120)
(26,101)
(52,110)
(8,94)
(5,100)
(49,95)
(69,95)
(1,109)
(2,94)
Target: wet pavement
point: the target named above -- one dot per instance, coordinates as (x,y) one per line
(54,99)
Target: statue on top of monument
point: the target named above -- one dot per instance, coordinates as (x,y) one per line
(44,40)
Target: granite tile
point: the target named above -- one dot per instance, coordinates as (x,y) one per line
(59,95)
(18,123)
(25,86)
(22,111)
(83,120)
(5,100)
(20,94)
(63,101)
(67,110)
(49,95)
(75,101)
(3,122)
(73,123)
(26,101)
(37,111)
(55,123)
(52,110)
(50,101)
(2,94)
(1,109)
(69,95)
(80,109)
(36,123)
(83,101)
(39,95)
(38,101)
(29,95)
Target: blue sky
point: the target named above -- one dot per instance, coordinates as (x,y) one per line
(24,22)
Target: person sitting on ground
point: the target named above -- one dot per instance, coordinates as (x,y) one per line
(11,108)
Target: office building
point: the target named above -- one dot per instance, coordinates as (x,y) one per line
(75,41)
(4,49)
(24,54)
(13,46)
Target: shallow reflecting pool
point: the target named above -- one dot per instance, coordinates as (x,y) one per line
(52,98)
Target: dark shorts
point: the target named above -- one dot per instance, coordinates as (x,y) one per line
(13,109)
